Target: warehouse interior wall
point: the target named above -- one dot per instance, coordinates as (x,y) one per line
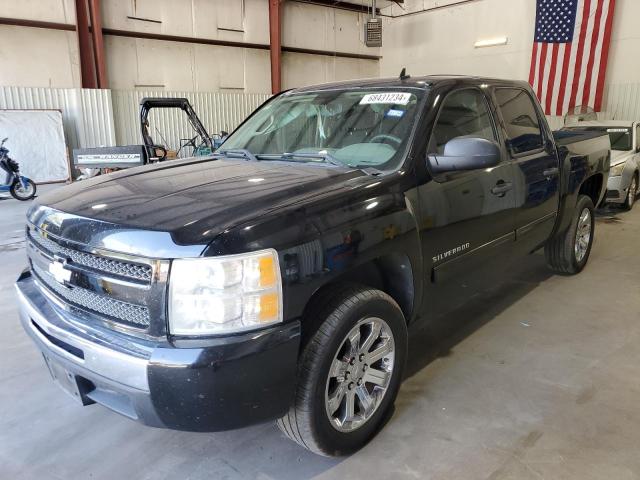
(442,41)
(49,58)
(439,40)
(36,57)
(416,41)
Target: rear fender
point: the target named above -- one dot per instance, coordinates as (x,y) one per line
(586,174)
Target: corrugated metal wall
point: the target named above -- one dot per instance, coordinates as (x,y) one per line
(94,118)
(87,115)
(622,102)
(217,111)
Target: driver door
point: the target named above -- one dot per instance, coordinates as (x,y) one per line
(467,217)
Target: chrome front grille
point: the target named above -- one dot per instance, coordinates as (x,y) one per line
(119,291)
(93,262)
(129,313)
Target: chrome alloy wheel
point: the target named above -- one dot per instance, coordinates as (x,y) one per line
(583,234)
(360,374)
(633,191)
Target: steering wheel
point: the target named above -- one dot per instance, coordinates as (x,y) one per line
(386,138)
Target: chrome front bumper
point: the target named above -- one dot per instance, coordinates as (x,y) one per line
(115,367)
(191,387)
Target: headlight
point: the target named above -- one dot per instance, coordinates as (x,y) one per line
(617,170)
(226,294)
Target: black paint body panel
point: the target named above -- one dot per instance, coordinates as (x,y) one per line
(230,383)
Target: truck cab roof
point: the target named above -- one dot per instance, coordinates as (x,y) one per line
(421,82)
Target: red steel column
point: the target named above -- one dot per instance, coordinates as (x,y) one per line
(84,43)
(275,45)
(98,43)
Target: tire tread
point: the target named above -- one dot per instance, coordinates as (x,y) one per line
(559,249)
(333,305)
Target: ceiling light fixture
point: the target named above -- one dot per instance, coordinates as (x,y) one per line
(492,42)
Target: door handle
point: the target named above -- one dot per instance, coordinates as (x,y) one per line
(501,188)
(550,172)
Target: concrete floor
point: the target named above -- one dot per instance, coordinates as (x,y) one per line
(538,380)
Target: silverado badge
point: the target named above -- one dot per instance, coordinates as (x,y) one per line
(450,253)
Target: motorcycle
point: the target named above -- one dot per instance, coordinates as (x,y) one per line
(20,187)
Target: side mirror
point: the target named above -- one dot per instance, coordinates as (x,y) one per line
(466,153)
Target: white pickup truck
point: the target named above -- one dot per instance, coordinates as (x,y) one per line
(622,187)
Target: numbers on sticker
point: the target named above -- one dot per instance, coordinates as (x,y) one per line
(393,98)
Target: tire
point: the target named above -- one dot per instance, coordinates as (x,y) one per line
(632,193)
(342,311)
(19,193)
(561,252)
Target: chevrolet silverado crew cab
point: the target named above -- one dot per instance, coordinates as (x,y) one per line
(279,277)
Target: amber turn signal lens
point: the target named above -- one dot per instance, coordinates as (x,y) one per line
(268,276)
(268,307)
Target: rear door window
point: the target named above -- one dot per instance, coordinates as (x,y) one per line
(520,120)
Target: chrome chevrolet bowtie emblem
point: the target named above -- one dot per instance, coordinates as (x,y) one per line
(58,270)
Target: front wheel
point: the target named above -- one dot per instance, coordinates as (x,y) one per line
(23,193)
(569,252)
(349,372)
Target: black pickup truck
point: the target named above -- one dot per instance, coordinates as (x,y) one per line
(279,277)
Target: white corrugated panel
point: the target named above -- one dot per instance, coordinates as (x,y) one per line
(97,126)
(621,102)
(94,118)
(217,111)
(86,114)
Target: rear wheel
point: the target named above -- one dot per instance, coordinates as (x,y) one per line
(349,373)
(569,252)
(632,193)
(23,193)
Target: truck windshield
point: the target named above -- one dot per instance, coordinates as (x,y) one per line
(353,128)
(621,137)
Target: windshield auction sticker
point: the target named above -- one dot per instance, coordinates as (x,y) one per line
(394,98)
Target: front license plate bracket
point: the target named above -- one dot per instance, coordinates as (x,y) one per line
(70,383)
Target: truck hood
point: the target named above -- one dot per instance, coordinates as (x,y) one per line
(619,156)
(196,199)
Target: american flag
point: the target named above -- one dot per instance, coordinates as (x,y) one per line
(570,52)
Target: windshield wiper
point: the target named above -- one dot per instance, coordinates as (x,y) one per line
(326,157)
(237,153)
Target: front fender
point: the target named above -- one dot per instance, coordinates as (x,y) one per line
(325,239)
